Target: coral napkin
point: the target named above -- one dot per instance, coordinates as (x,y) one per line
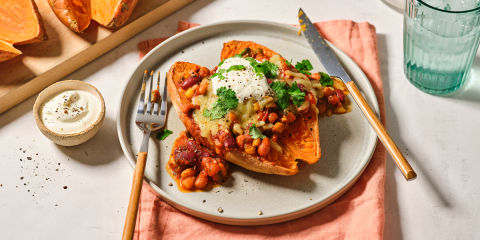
(358,214)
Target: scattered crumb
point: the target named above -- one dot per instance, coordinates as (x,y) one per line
(29,158)
(260,213)
(217,191)
(21,178)
(310,199)
(36,154)
(230,192)
(58,164)
(202,201)
(56,169)
(1,185)
(24,151)
(170,184)
(220,210)
(56,205)
(65,187)
(245,180)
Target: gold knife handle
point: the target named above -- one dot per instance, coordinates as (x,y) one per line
(382,134)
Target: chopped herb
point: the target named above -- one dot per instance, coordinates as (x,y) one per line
(298,97)
(236,68)
(266,68)
(289,63)
(280,90)
(325,79)
(304,66)
(163,134)
(241,54)
(219,74)
(225,102)
(220,64)
(255,132)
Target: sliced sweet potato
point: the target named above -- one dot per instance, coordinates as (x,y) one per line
(75,14)
(112,13)
(20,22)
(7,51)
(275,163)
(302,139)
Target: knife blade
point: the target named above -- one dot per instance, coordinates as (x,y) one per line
(333,66)
(324,53)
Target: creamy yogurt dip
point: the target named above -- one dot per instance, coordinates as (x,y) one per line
(244,82)
(70,111)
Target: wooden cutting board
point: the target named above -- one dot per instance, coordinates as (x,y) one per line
(46,62)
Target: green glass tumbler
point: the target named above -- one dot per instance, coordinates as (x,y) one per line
(440,41)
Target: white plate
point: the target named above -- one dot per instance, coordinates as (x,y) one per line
(347,140)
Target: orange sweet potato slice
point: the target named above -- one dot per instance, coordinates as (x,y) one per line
(112,13)
(7,51)
(301,139)
(20,22)
(75,14)
(281,163)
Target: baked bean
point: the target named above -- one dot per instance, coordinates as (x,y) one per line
(272,117)
(274,138)
(229,143)
(188,183)
(202,180)
(333,100)
(327,91)
(340,95)
(290,117)
(203,72)
(202,89)
(278,127)
(256,142)
(264,147)
(187,83)
(189,172)
(249,148)
(241,140)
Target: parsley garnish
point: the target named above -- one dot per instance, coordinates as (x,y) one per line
(298,97)
(241,54)
(226,101)
(164,133)
(325,79)
(289,63)
(235,68)
(220,64)
(266,68)
(280,90)
(304,66)
(255,132)
(219,74)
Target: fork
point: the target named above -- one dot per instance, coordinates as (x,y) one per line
(148,122)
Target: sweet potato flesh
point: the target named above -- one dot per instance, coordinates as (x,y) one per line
(75,14)
(19,22)
(103,11)
(7,51)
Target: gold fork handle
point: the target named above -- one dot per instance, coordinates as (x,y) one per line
(132,209)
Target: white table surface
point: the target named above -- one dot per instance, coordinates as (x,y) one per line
(438,135)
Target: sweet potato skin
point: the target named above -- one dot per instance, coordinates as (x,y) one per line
(75,14)
(19,27)
(302,139)
(112,13)
(253,163)
(7,51)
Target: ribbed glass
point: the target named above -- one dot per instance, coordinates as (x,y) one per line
(440,40)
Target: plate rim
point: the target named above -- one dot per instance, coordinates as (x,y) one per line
(243,221)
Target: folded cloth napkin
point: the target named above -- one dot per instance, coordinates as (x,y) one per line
(358,214)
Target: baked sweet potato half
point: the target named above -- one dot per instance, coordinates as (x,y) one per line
(75,14)
(20,22)
(7,51)
(254,109)
(112,13)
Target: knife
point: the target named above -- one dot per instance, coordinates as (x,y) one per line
(334,68)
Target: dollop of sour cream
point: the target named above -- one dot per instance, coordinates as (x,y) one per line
(70,111)
(244,82)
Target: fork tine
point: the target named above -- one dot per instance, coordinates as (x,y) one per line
(163,109)
(149,99)
(141,104)
(155,104)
